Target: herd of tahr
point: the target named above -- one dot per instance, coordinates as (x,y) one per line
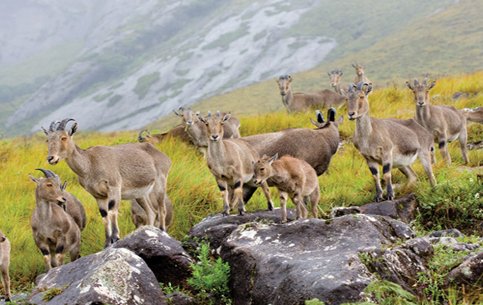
(289,160)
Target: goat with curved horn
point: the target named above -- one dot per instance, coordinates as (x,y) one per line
(113,173)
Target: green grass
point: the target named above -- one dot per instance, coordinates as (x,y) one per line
(191,186)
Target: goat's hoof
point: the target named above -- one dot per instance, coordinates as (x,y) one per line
(270,206)
(390,198)
(241,212)
(114,239)
(225,213)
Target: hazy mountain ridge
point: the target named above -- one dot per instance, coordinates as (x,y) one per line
(133,70)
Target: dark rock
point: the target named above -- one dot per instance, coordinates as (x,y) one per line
(468,273)
(289,263)
(179,298)
(217,227)
(452,243)
(164,255)
(401,264)
(402,208)
(113,276)
(448,232)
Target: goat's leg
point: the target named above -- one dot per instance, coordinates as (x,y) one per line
(46,256)
(225,194)
(248,192)
(75,252)
(299,203)
(266,192)
(283,205)
(238,197)
(463,138)
(159,198)
(443,148)
(409,173)
(373,167)
(103,209)
(113,215)
(425,158)
(314,198)
(6,282)
(386,171)
(146,205)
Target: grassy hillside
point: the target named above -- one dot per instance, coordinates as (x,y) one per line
(193,189)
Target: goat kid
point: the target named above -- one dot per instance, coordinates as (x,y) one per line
(293,178)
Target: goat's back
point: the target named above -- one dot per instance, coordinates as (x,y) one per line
(75,209)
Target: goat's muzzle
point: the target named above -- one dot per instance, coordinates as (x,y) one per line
(420,104)
(53,160)
(2,239)
(351,115)
(215,138)
(283,93)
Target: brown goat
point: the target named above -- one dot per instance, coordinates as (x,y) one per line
(293,178)
(387,142)
(179,132)
(55,232)
(140,218)
(72,205)
(315,146)
(360,74)
(298,101)
(446,123)
(5,264)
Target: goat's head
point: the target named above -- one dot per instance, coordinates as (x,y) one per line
(2,237)
(49,188)
(335,77)
(421,90)
(359,69)
(144,136)
(358,104)
(59,140)
(262,169)
(214,125)
(189,118)
(284,84)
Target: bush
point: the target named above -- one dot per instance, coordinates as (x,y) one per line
(210,278)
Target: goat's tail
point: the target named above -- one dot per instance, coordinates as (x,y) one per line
(474,114)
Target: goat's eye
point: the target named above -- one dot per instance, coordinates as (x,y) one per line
(49,184)
(63,138)
(262,169)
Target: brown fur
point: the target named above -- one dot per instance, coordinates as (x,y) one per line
(140,218)
(293,178)
(474,114)
(231,162)
(299,102)
(55,232)
(360,74)
(178,132)
(446,123)
(5,264)
(387,142)
(114,173)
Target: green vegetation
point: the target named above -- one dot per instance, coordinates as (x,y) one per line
(210,278)
(144,83)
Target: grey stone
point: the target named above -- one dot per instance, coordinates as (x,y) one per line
(163,254)
(179,298)
(469,272)
(113,276)
(289,263)
(446,233)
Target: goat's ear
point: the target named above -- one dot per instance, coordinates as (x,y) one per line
(73,129)
(226,117)
(314,123)
(408,83)
(197,113)
(34,179)
(63,186)
(45,131)
(431,85)
(289,77)
(273,158)
(368,89)
(202,119)
(177,113)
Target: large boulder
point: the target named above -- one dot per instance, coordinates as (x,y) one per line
(113,276)
(469,272)
(289,263)
(216,228)
(164,255)
(402,208)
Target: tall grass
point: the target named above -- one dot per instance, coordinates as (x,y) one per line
(191,186)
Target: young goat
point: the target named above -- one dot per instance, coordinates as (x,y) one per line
(4,264)
(387,142)
(446,123)
(113,173)
(360,74)
(72,205)
(315,146)
(299,101)
(55,232)
(335,77)
(293,178)
(231,162)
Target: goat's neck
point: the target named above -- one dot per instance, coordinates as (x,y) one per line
(337,89)
(363,126)
(216,151)
(78,161)
(288,98)
(423,113)
(44,208)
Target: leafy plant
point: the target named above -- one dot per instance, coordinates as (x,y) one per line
(210,277)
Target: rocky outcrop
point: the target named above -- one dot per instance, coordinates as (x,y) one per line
(163,254)
(113,276)
(301,260)
(216,228)
(402,208)
(469,272)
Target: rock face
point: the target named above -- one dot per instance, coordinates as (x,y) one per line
(113,276)
(469,272)
(215,229)
(164,255)
(289,263)
(402,208)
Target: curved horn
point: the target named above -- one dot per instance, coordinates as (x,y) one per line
(64,123)
(320,117)
(47,173)
(53,125)
(331,114)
